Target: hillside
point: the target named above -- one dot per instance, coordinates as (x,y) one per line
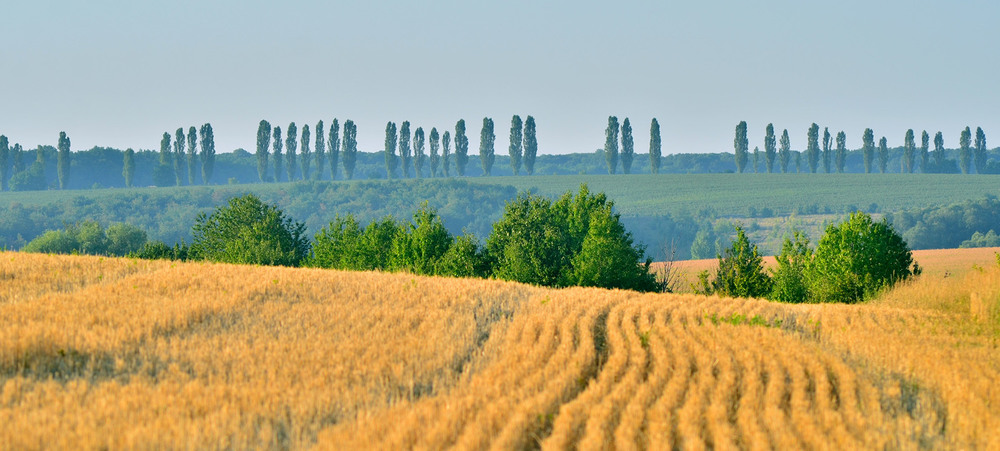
(118,353)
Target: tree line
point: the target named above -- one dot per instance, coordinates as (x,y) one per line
(832,157)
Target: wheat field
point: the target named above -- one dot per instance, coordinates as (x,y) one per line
(100,353)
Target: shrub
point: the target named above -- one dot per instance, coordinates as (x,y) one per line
(124,239)
(249,231)
(608,258)
(54,242)
(425,241)
(790,284)
(741,270)
(158,250)
(464,259)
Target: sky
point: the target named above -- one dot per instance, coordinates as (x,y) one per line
(119,73)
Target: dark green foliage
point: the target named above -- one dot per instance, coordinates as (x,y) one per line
(608,257)
(445,151)
(291,144)
(655,146)
(628,147)
(343,244)
(785,153)
(404,147)
(516,149)
(790,282)
(349,147)
(964,152)
(769,148)
(909,152)
(740,146)
(741,270)
(422,244)
(756,159)
(486,146)
(464,259)
(611,144)
(947,226)
(827,151)
(263,144)
(320,150)
(32,179)
(88,237)
(939,156)
(279,158)
(124,239)
(857,259)
(812,147)
(868,149)
(180,166)
(390,149)
(128,167)
(207,153)
(249,231)
(5,160)
(333,144)
(435,144)
(883,156)
(924,154)
(62,160)
(163,174)
(158,250)
(841,151)
(530,145)
(979,239)
(17,154)
(980,155)
(461,148)
(192,161)
(306,154)
(418,152)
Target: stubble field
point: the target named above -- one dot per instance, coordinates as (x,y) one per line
(120,353)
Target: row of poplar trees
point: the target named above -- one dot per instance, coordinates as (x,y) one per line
(12,163)
(411,154)
(627,151)
(834,159)
(179,166)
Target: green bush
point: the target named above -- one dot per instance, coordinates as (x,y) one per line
(464,259)
(158,250)
(248,231)
(790,278)
(88,237)
(422,244)
(54,242)
(741,270)
(124,239)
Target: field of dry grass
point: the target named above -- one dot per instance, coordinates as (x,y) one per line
(119,353)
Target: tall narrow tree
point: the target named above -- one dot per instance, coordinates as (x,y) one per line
(769,148)
(350,148)
(263,144)
(404,148)
(192,155)
(207,153)
(611,144)
(62,161)
(445,151)
(320,150)
(530,145)
(390,149)
(163,173)
(279,158)
(980,151)
(756,158)
(909,152)
(516,143)
(868,149)
(827,151)
(434,144)
(883,155)
(306,154)
(180,160)
(740,146)
(785,152)
(128,167)
(486,143)
(939,156)
(925,140)
(841,151)
(17,154)
(799,167)
(812,148)
(655,149)
(461,148)
(166,156)
(628,147)
(964,152)
(418,152)
(291,144)
(4,162)
(333,147)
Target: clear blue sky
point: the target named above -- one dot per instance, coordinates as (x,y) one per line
(120,73)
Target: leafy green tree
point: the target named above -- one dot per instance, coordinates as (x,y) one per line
(980,155)
(827,151)
(418,152)
(263,144)
(163,174)
(4,162)
(404,147)
(628,147)
(349,148)
(841,151)
(868,149)
(756,158)
(857,259)
(422,245)
(445,151)
(909,152)
(128,167)
(740,146)
(249,231)
(530,145)
(515,149)
(790,277)
(207,152)
(390,149)
(461,148)
(924,154)
(769,148)
(320,150)
(192,149)
(62,160)
(434,144)
(464,259)
(291,144)
(279,159)
(812,147)
(939,159)
(741,270)
(611,144)
(883,156)
(124,239)
(785,154)
(306,154)
(655,146)
(88,237)
(17,154)
(343,244)
(964,153)
(180,168)
(608,257)
(486,150)
(32,178)
(333,145)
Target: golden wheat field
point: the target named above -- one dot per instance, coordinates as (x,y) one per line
(120,353)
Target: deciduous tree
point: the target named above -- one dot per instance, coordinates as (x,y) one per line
(655,146)
(487,138)
(333,146)
(279,158)
(812,147)
(445,151)
(964,152)
(291,143)
(939,156)
(418,152)
(769,148)
(461,148)
(841,151)
(263,144)
(909,152)
(883,155)
(207,152)
(306,153)
(404,148)
(785,154)
(530,145)
(827,151)
(192,155)
(434,144)
(350,147)
(611,144)
(62,161)
(390,149)
(4,162)
(924,154)
(980,151)
(515,149)
(868,149)
(180,168)
(128,167)
(320,149)
(628,147)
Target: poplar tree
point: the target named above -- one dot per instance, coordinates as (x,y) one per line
(611,144)
(769,148)
(654,146)
(445,151)
(333,146)
(4,162)
(461,148)
(516,145)
(486,150)
(939,150)
(756,158)
(350,148)
(404,148)
(128,167)
(418,152)
(163,173)
(192,154)
(964,154)
(320,150)
(883,155)
(628,147)
(924,155)
(909,149)
(62,161)
(980,151)
(740,146)
(291,144)
(827,151)
(17,154)
(868,149)
(180,168)
(530,145)
(841,151)
(785,154)
(263,144)
(207,153)
(306,154)
(390,149)
(279,158)
(812,147)
(435,141)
